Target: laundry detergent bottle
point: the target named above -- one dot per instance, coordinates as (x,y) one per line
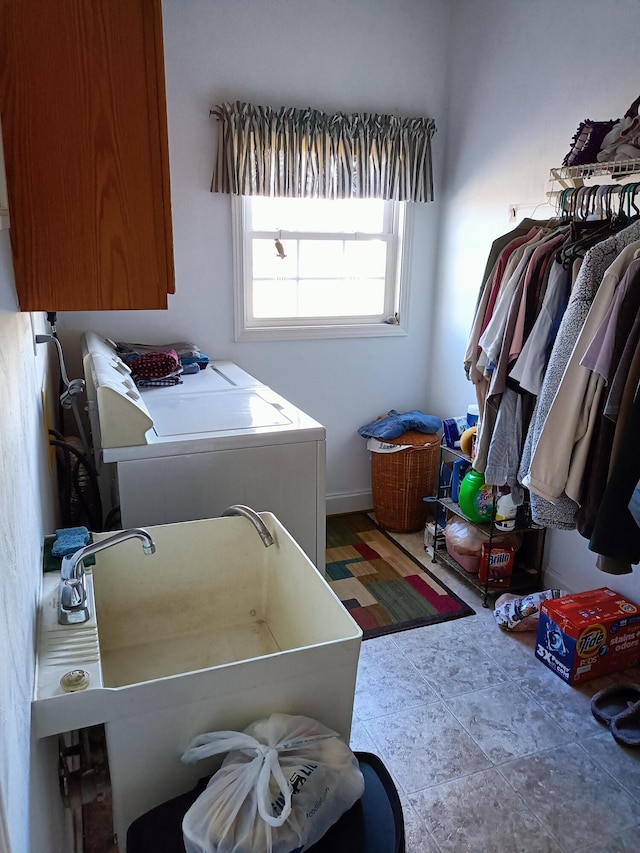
(506,511)
(475,497)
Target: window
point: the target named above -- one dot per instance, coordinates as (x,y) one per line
(309,268)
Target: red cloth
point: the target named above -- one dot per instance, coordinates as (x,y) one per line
(155,365)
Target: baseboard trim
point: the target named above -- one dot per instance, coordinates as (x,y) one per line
(552,580)
(349,502)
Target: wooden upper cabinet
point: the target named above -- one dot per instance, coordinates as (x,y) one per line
(83,109)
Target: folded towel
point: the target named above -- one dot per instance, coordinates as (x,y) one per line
(69,540)
(185,349)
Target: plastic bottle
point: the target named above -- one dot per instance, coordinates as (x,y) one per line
(505,518)
(475,497)
(457,470)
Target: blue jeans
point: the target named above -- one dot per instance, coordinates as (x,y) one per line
(394,424)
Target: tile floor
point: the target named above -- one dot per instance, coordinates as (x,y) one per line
(491,752)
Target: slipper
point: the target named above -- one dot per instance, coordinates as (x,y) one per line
(612,701)
(625,727)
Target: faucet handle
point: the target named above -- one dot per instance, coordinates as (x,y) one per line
(73,607)
(71,566)
(66,567)
(72,594)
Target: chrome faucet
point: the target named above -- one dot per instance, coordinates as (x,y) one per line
(72,606)
(254,518)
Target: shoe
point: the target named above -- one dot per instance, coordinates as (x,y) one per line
(609,703)
(625,727)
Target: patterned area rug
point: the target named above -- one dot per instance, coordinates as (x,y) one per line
(382,586)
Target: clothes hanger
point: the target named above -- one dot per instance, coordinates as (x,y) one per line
(601,191)
(596,230)
(633,188)
(586,205)
(563,212)
(591,201)
(622,199)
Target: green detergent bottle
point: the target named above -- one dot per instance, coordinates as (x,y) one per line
(475,497)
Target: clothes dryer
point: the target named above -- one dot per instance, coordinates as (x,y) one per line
(189,451)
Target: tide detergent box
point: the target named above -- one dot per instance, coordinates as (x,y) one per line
(589,634)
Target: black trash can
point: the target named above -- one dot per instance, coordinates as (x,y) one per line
(373,825)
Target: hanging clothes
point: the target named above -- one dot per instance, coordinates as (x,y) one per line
(492,338)
(503,254)
(530,366)
(490,344)
(507,431)
(605,356)
(503,456)
(551,353)
(498,257)
(560,510)
(615,536)
(559,454)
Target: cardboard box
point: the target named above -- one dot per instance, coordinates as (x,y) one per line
(589,634)
(430,537)
(500,562)
(499,565)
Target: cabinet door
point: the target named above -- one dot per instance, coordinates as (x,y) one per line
(85,137)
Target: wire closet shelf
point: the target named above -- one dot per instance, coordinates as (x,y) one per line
(577,195)
(567,176)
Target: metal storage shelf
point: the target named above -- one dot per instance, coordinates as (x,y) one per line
(522,581)
(527,570)
(452,506)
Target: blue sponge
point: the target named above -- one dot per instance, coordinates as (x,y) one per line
(69,540)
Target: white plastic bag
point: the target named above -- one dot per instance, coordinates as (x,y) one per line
(517,613)
(284,783)
(466,538)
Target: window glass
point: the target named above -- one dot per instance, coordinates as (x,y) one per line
(333,268)
(319,215)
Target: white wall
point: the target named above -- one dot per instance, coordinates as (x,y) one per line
(523,76)
(349,55)
(26,514)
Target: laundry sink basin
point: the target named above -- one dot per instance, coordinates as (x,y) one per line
(212,594)
(211,632)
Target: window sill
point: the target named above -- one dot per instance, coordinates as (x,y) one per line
(301,333)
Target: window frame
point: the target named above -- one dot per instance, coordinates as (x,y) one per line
(248,328)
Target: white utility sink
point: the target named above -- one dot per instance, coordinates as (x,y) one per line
(211,632)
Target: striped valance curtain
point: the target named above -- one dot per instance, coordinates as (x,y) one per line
(306,153)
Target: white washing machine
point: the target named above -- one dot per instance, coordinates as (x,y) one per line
(191,450)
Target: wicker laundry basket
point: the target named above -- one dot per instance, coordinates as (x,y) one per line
(401,479)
